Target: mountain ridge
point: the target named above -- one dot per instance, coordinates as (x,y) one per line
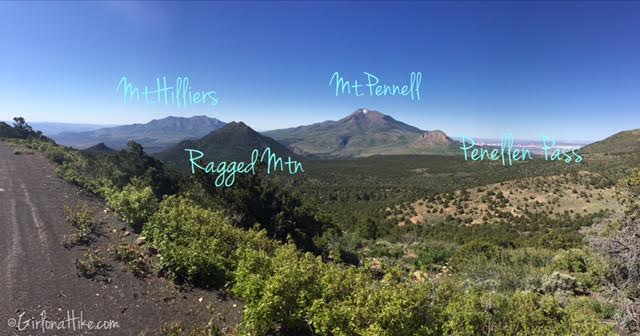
(233,142)
(154,135)
(619,143)
(364,132)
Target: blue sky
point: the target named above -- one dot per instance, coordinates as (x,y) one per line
(569,70)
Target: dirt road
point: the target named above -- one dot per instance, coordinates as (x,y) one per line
(38,275)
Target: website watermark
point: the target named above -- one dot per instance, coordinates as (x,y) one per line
(73,321)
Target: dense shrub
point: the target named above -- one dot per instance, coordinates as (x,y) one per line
(293,294)
(277,290)
(634,178)
(353,303)
(135,204)
(572,260)
(475,250)
(434,254)
(520,313)
(589,269)
(199,245)
(255,202)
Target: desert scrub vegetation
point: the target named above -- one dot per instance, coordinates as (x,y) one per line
(508,199)
(83,220)
(132,257)
(92,264)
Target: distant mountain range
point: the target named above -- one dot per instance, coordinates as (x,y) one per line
(621,142)
(363,133)
(154,136)
(232,142)
(53,128)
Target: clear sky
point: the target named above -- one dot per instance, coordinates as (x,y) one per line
(569,70)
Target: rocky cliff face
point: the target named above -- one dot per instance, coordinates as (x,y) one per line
(431,138)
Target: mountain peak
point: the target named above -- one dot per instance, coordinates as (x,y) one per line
(234,141)
(368,118)
(237,124)
(235,127)
(101,146)
(363,112)
(99,149)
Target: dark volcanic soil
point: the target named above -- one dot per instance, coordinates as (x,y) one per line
(38,275)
